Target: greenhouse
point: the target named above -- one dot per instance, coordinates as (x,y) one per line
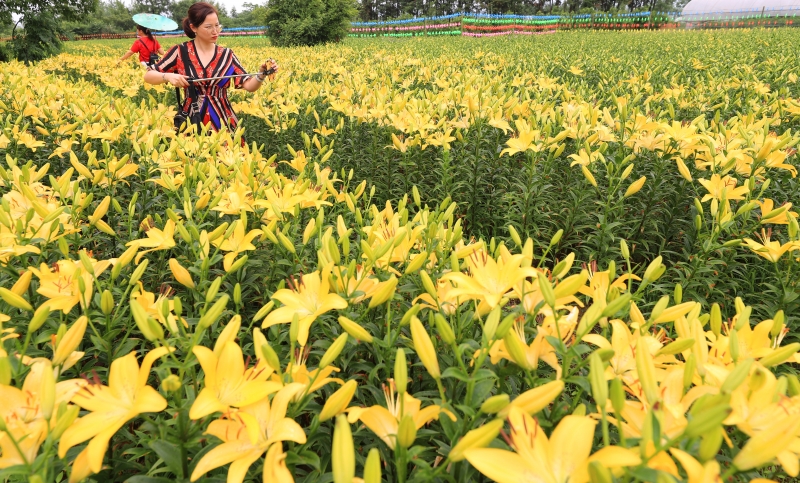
(699,10)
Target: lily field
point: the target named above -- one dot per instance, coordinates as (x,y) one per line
(564,258)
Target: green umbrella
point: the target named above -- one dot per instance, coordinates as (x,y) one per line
(155,22)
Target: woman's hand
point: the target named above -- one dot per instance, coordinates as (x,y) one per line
(270,65)
(177,80)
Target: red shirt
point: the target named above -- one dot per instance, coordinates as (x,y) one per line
(145,47)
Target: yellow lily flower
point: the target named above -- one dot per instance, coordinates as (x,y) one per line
(524,141)
(248,433)
(126,396)
(540,348)
(562,458)
(723,187)
(489,280)
(600,283)
(156,239)
(227,382)
(234,199)
(297,372)
(768,205)
(386,422)
(696,471)
(671,411)
(237,243)
(625,342)
(585,159)
(60,284)
(22,411)
(769,249)
(153,306)
(309,298)
(275,470)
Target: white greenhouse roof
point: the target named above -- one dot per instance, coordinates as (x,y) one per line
(715,9)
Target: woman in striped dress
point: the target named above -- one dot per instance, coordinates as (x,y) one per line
(204,58)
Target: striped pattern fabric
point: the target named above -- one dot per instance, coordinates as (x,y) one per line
(213,104)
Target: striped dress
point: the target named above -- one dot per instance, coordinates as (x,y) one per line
(215,108)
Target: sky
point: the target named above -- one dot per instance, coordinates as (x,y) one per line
(235,3)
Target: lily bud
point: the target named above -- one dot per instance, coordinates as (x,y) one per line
(416,262)
(424,348)
(736,377)
(516,349)
(400,372)
(107,302)
(372,467)
(477,438)
(492,321)
(22,283)
(409,314)
(597,378)
(767,444)
(623,248)
(15,300)
(5,373)
(271,357)
(356,331)
(333,351)
(343,456)
(180,273)
(646,370)
(570,285)
(171,383)
(710,444)
(547,291)
(384,292)
(599,473)
(338,401)
(39,318)
(137,274)
(777,324)
(427,283)
(213,313)
(659,308)
(407,431)
(716,319)
(654,270)
(676,347)
(635,187)
(780,355)
(263,311)
(617,394)
(70,341)
(534,400)
(213,289)
(688,371)
(64,421)
(47,390)
(444,329)
(495,404)
(733,345)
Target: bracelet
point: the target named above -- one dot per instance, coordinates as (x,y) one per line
(259,78)
(164,77)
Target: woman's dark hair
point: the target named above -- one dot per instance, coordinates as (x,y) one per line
(145,31)
(196,16)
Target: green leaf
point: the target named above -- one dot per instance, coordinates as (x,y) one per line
(170,453)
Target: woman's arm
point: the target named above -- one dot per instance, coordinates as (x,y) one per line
(252,84)
(125,57)
(155,77)
(161,51)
